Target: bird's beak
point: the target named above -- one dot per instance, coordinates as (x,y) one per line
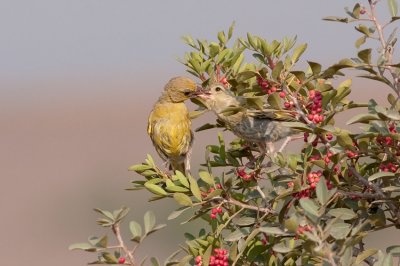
(200,92)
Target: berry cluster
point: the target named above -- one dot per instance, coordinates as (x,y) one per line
(224,81)
(315,107)
(244,175)
(210,190)
(388,140)
(315,142)
(312,180)
(327,158)
(389,167)
(351,154)
(302,229)
(266,86)
(220,258)
(288,104)
(215,211)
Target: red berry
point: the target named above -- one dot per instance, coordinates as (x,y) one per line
(282,94)
(121,260)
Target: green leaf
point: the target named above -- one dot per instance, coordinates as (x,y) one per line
(356,10)
(221,37)
(315,67)
(298,52)
(230,31)
(343,213)
(98,242)
(149,221)
(363,29)
(362,118)
(344,139)
(105,213)
(110,258)
(336,19)
(394,250)
(174,188)
(183,199)
(340,230)
(309,206)
(322,191)
(156,228)
(277,70)
(245,221)
(136,231)
(82,246)
(154,262)
(347,256)
(272,230)
(234,236)
(297,125)
(360,41)
(392,4)
(391,189)
(188,40)
(380,175)
(342,91)
(207,255)
(194,188)
(365,55)
(120,214)
(155,189)
(139,168)
(206,177)
(292,224)
(364,255)
(281,248)
(182,178)
(177,213)
(252,41)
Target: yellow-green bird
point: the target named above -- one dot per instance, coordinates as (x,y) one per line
(169,125)
(255,126)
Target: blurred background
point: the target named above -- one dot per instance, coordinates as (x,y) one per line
(77,81)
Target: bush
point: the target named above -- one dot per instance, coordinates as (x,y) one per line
(313,207)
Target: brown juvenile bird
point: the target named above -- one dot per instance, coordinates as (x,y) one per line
(254,126)
(169,125)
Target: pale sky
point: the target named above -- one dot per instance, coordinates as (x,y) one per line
(45,38)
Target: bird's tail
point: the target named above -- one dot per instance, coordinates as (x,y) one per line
(178,166)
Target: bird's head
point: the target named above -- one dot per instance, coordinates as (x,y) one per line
(180,89)
(216,97)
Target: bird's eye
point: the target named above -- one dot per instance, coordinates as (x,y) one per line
(218,89)
(186,93)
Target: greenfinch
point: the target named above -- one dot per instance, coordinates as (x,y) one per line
(169,124)
(255,126)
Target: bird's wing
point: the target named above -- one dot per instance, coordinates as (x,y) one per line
(277,115)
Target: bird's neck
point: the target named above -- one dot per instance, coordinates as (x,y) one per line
(165,98)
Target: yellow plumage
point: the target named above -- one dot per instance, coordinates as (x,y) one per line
(169,125)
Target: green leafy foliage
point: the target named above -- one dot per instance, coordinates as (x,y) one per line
(314,207)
